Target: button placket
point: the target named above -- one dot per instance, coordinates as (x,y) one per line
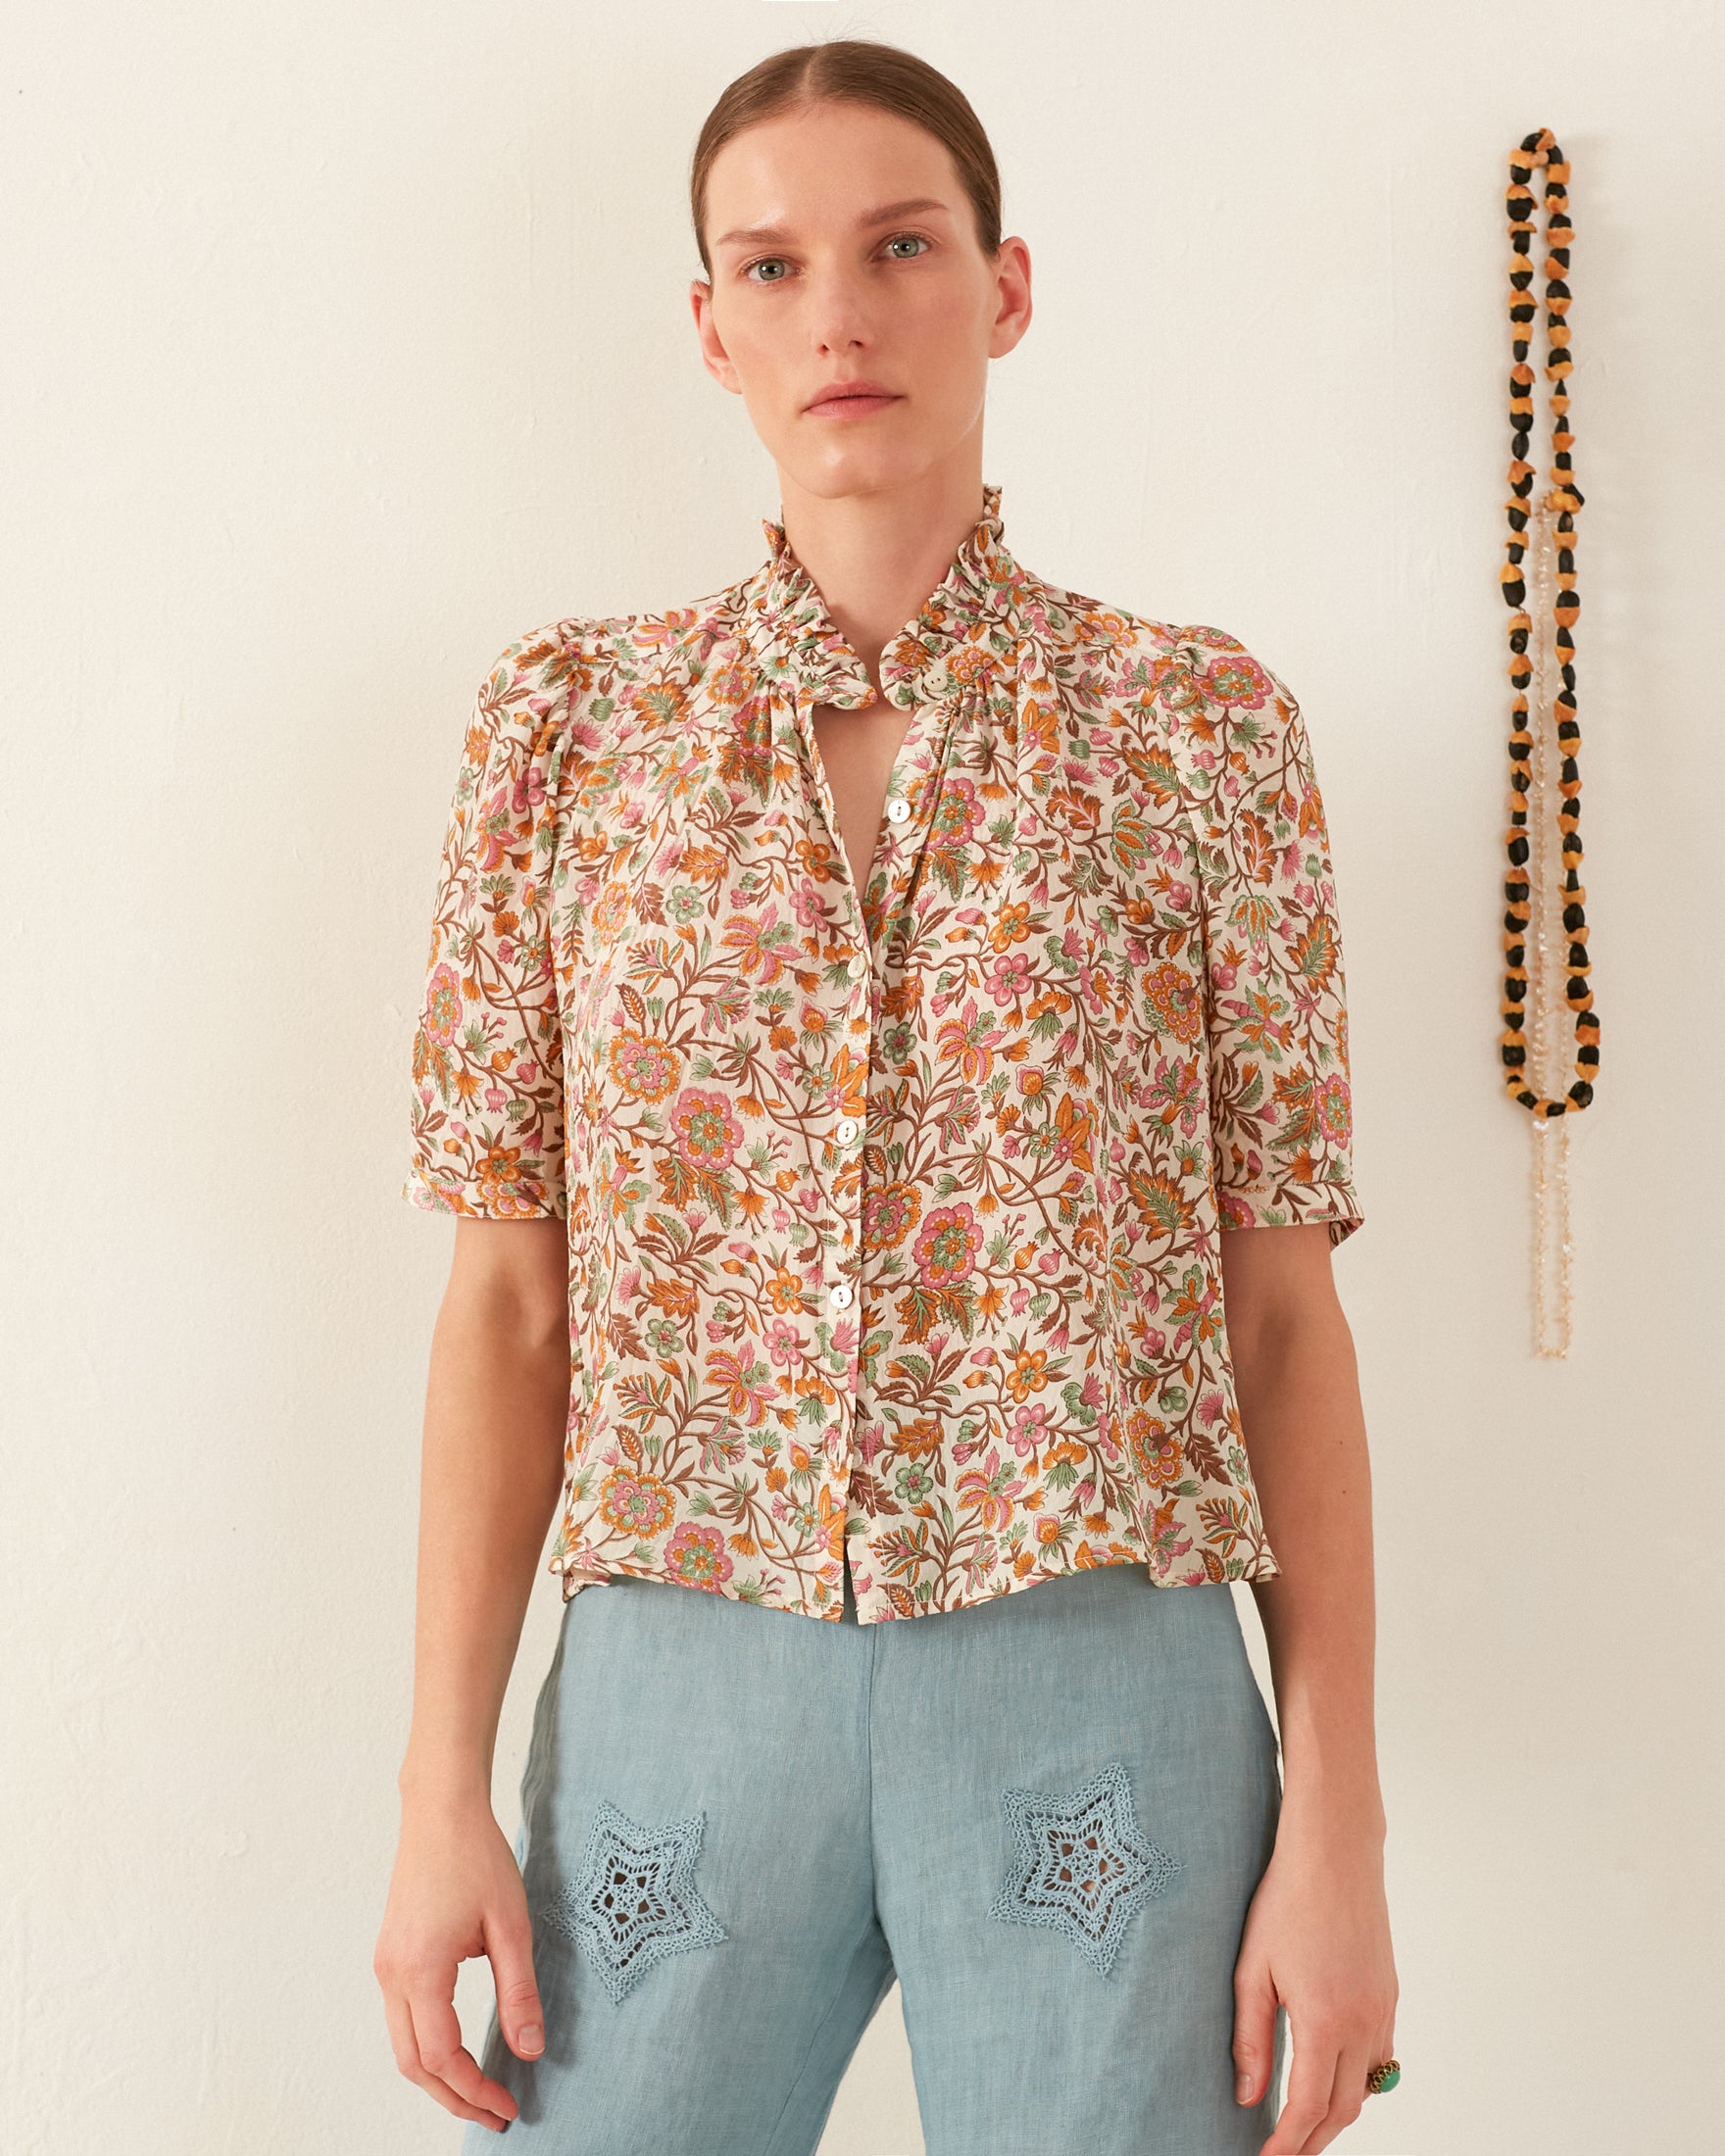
(841,1294)
(912,786)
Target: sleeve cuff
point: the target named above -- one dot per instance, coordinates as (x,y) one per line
(481,1201)
(1292,1206)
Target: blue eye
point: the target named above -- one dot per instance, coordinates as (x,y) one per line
(767,262)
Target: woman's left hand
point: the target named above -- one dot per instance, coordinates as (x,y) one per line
(1316,1941)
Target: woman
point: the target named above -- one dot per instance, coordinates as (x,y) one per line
(877,1017)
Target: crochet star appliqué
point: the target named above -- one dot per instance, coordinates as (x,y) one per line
(1082,1867)
(635,1899)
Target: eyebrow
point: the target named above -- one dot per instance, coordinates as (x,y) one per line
(753,235)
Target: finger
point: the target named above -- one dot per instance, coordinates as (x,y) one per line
(1255,2030)
(1347,2096)
(405,2046)
(1311,2082)
(509,1941)
(437,2030)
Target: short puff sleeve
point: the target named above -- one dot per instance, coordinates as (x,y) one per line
(487,1109)
(1281,1105)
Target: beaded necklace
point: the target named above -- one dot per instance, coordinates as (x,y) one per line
(1546,894)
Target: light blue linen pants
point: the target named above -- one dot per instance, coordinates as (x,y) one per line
(1045,1814)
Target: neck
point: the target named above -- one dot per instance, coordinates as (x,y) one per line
(876,556)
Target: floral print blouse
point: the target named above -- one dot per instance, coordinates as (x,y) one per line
(894,1215)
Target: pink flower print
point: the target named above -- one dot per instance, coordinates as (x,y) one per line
(636,1504)
(1334,1107)
(1239,681)
(1011,977)
(971,1042)
(945,1249)
(989,1491)
(957,815)
(744,1383)
(1030,1424)
(708,1133)
(443,1004)
(494,831)
(1173,1094)
(696,1556)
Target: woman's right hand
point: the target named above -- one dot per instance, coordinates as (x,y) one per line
(456,1892)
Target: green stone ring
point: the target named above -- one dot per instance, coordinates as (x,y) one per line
(1383,2077)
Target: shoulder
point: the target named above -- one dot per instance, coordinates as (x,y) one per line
(1188,683)
(1182,664)
(618,677)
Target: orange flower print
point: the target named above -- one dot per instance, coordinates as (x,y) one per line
(647,1070)
(636,1504)
(848,1081)
(506,1187)
(1072,1128)
(1173,996)
(1011,926)
(702,865)
(611,914)
(784,1291)
(1154,1453)
(1029,1372)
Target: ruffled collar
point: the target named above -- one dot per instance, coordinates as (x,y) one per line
(797,639)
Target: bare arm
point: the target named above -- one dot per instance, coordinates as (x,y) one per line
(496,1407)
(1317,1938)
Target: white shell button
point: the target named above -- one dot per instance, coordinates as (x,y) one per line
(847,1130)
(898,810)
(839,1297)
(858,967)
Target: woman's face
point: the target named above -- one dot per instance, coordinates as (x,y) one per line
(844,247)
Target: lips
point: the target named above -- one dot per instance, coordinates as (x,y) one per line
(850,399)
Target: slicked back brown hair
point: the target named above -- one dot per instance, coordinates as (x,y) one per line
(854,70)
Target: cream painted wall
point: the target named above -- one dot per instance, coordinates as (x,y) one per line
(346,343)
